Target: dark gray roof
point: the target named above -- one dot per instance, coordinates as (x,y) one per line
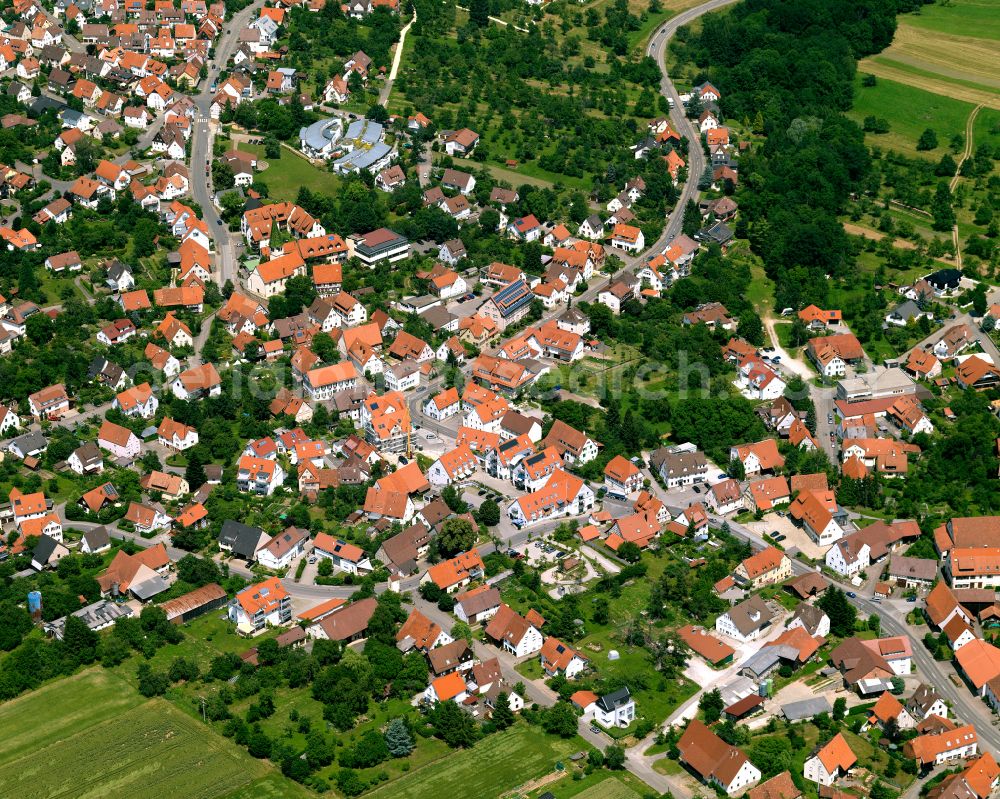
(750,615)
(763,660)
(44,549)
(805,709)
(616,699)
(43,103)
(241,538)
(435,512)
(438,317)
(30,442)
(149,588)
(89,453)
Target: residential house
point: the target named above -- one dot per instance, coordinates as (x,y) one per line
(830,762)
(714,761)
(266,604)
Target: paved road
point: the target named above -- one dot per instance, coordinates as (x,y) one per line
(226,245)
(696,156)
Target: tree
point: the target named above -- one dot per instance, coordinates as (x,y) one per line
(151,683)
(453,499)
(222,175)
(319,750)
(489,513)
(751,328)
(479,13)
(692,219)
(601,613)
(197,571)
(17,624)
(614,757)
(629,552)
(377,113)
(457,535)
(941,210)
(560,719)
(842,614)
(453,725)
(946,167)
(194,472)
(460,631)
(40,328)
(979,301)
(711,705)
(928,140)
(79,641)
(839,708)
(258,744)
(503,716)
(325,567)
(398,738)
(182,670)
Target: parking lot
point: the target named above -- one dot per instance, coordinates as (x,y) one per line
(543,553)
(795,537)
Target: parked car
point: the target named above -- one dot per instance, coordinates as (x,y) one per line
(829,418)
(697,489)
(852,595)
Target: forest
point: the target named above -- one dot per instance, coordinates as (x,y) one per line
(794,64)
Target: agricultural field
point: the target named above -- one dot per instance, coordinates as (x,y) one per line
(597,786)
(147,748)
(947,48)
(979,18)
(497,764)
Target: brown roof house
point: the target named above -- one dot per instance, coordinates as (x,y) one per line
(747,621)
(714,761)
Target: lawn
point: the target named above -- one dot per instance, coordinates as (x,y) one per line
(511,176)
(205,638)
(910,111)
(761,291)
(978,18)
(90,735)
(284,176)
(986,129)
(495,765)
(967,88)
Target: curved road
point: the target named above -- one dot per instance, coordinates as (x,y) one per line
(201,147)
(696,155)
